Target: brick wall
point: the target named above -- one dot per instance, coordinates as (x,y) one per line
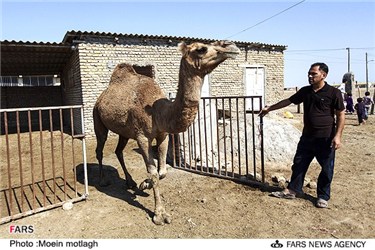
(72,89)
(71,81)
(98,56)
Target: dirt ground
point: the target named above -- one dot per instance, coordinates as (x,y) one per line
(211,208)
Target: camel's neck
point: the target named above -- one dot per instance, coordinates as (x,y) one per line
(185,107)
(189,88)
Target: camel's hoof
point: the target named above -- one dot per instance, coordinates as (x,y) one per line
(146,184)
(162,174)
(162,218)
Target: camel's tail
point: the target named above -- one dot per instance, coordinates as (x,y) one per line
(99,128)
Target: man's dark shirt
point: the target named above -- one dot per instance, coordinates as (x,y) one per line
(361,109)
(319,110)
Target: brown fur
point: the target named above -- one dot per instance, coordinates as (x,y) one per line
(134,107)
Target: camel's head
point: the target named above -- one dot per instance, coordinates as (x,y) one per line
(206,57)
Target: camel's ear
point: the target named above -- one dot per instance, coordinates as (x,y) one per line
(182,47)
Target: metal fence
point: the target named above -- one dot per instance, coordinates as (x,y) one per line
(43,159)
(225,141)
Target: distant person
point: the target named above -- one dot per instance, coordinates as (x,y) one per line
(361,111)
(349,103)
(367,100)
(321,135)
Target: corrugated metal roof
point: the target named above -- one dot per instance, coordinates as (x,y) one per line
(33,58)
(70,36)
(29,43)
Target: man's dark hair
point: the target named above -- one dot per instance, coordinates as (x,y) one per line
(322,66)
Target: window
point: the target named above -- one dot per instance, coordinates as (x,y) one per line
(144,70)
(29,81)
(8,81)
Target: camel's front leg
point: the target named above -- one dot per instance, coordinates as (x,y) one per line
(162,144)
(160,215)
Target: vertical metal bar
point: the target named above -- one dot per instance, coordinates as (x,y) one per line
(173,150)
(20,157)
(225,137)
(184,147)
(52,155)
(42,158)
(212,140)
(73,155)
(194,146)
(31,158)
(84,155)
(200,139)
(62,150)
(217,137)
(261,142)
(8,161)
(245,131)
(254,149)
(178,148)
(190,146)
(231,136)
(205,134)
(238,136)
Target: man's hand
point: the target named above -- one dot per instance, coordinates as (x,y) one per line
(279,105)
(264,111)
(336,142)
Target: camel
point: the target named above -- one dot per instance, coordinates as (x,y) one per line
(134,107)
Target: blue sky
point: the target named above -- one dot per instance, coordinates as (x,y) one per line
(313,30)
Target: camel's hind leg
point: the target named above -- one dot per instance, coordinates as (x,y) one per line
(122,141)
(101,133)
(160,216)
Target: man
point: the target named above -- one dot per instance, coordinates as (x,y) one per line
(321,134)
(367,100)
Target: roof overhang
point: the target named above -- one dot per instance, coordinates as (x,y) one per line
(32,58)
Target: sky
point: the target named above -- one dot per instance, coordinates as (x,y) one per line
(313,30)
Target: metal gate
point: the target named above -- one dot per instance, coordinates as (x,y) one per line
(225,141)
(40,150)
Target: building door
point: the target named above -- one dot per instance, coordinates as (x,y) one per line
(254,85)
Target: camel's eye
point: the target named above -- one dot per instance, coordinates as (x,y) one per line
(202,50)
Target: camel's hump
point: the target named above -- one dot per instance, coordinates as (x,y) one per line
(125,67)
(122,71)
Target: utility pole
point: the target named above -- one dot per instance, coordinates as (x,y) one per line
(367,88)
(348,59)
(366,73)
(367,61)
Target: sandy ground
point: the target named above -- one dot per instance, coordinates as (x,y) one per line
(212,208)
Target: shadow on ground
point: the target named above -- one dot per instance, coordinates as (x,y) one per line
(117,187)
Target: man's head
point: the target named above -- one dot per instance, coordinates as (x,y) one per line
(317,73)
